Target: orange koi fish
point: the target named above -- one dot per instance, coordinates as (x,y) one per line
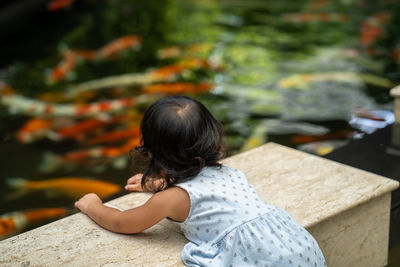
(63,68)
(110,49)
(303,139)
(314,17)
(59,4)
(372,28)
(14,222)
(100,152)
(169,72)
(71,187)
(131,132)
(84,157)
(76,131)
(177,88)
(33,129)
(85,54)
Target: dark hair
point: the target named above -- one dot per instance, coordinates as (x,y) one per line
(180,136)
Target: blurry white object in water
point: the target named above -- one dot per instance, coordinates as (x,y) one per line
(371,120)
(322,148)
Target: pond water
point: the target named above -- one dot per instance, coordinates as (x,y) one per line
(75,77)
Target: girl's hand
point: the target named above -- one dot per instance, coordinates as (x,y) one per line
(134,183)
(86,201)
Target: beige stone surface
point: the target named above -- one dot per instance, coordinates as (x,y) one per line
(340,205)
(356,237)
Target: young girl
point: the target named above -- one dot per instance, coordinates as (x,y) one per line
(219,211)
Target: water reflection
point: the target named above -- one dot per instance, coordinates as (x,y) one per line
(293,72)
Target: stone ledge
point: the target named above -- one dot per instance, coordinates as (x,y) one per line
(338,204)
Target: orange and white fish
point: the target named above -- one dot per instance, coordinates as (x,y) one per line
(25,105)
(85,157)
(166,73)
(372,28)
(14,222)
(314,17)
(117,45)
(71,187)
(100,152)
(118,135)
(178,88)
(59,4)
(63,68)
(33,129)
(170,72)
(77,130)
(70,57)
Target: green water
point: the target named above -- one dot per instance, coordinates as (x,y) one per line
(258,47)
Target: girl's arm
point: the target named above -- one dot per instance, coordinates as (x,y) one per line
(173,202)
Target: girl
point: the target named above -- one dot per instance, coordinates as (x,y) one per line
(220,213)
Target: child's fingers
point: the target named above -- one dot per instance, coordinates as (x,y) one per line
(134,187)
(136,179)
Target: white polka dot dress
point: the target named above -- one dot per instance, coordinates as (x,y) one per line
(230,225)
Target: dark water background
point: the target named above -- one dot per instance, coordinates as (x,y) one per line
(258,45)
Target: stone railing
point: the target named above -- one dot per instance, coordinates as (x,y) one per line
(347,210)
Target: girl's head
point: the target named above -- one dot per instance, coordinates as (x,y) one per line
(180,136)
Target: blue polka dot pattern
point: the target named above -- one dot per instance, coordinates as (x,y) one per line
(230,225)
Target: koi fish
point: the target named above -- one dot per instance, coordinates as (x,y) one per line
(256,138)
(71,187)
(300,81)
(63,68)
(33,129)
(170,72)
(372,28)
(76,131)
(302,139)
(59,4)
(14,222)
(99,152)
(70,57)
(71,159)
(112,48)
(314,17)
(24,105)
(322,148)
(119,135)
(177,88)
(166,73)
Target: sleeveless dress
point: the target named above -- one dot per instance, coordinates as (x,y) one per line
(230,225)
